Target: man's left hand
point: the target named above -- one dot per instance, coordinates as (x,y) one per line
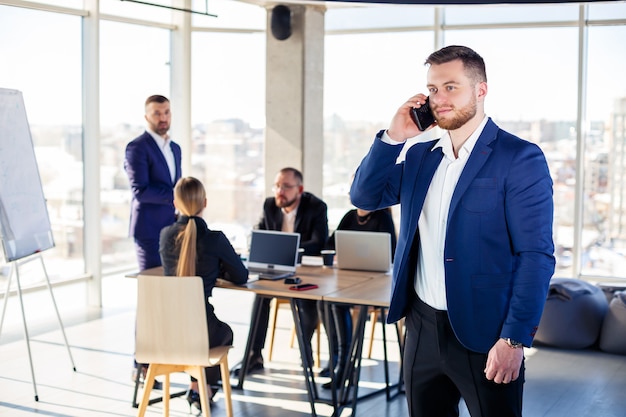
(503,363)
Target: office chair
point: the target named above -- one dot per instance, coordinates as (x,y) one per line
(172,336)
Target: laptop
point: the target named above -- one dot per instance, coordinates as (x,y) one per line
(364,251)
(273,255)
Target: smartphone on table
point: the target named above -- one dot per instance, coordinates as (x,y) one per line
(303,287)
(423,116)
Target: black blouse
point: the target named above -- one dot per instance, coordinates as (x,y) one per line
(215,257)
(375,221)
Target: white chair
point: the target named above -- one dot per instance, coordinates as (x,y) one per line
(172,336)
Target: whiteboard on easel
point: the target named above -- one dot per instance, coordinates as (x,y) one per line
(24,221)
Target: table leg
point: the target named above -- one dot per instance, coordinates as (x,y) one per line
(353,372)
(339,390)
(329,325)
(307,366)
(388,384)
(385,360)
(254,324)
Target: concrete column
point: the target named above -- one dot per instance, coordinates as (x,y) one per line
(91,151)
(294,98)
(180,82)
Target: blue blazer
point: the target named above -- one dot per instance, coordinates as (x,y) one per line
(499,253)
(152,206)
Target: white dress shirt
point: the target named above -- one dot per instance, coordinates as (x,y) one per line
(166,149)
(430,283)
(289,220)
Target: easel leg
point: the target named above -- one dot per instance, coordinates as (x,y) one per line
(54,303)
(30,358)
(15,267)
(6,298)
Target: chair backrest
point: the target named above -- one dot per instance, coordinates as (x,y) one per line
(171,321)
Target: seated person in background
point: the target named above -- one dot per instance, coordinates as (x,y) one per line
(291,210)
(189,248)
(365,221)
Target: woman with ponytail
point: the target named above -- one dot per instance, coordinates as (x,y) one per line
(189,248)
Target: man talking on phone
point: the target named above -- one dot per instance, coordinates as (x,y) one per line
(475,253)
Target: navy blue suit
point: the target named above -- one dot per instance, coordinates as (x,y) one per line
(498,261)
(152,206)
(499,250)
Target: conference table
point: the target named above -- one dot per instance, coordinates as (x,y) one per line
(371,293)
(334,286)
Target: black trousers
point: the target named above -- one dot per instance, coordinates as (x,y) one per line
(340,332)
(220,334)
(309,316)
(438,371)
(147,250)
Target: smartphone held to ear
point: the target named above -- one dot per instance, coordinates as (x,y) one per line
(423,116)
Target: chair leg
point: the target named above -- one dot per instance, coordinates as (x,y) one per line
(226,386)
(166,395)
(202,388)
(272,327)
(373,320)
(293,336)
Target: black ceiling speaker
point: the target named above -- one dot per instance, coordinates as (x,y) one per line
(281,22)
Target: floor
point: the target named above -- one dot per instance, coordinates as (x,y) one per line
(559,383)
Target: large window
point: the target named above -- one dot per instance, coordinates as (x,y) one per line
(42,60)
(373,59)
(533,92)
(362,91)
(228,117)
(532,78)
(604,188)
(134,64)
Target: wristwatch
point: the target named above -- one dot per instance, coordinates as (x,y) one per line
(514,344)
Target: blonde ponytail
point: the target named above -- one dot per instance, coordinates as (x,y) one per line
(190,198)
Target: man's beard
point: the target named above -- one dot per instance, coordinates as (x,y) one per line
(461,116)
(286,203)
(160,129)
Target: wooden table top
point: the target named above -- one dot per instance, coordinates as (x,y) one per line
(375,291)
(328,279)
(334,285)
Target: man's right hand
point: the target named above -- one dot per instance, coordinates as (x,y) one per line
(402,126)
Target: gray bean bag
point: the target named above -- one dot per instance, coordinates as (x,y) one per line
(613,335)
(610,288)
(573,314)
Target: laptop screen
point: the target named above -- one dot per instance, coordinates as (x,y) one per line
(271,250)
(365,251)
